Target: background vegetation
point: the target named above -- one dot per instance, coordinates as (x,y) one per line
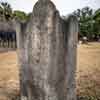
(7,13)
(89,23)
(89,20)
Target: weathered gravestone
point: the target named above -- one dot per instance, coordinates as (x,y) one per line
(47,54)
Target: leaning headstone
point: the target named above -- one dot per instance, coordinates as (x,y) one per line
(47,54)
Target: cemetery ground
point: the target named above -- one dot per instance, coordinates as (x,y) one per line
(87,74)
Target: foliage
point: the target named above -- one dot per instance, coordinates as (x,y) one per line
(20,15)
(89,23)
(7,13)
(89,20)
(96,17)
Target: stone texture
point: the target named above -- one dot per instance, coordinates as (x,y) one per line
(47,54)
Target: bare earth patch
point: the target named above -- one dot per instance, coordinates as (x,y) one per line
(9,81)
(87,75)
(88,70)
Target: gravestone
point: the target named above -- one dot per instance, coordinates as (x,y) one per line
(47,54)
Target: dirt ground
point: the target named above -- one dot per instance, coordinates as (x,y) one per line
(9,84)
(88,70)
(87,74)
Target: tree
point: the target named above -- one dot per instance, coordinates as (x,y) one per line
(20,15)
(1,13)
(86,22)
(96,17)
(6,11)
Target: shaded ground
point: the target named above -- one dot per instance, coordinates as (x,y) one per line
(88,72)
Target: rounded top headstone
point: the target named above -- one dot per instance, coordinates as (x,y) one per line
(43,0)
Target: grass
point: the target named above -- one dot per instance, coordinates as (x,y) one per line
(87,74)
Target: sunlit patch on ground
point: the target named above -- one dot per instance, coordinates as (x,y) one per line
(88,70)
(9,80)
